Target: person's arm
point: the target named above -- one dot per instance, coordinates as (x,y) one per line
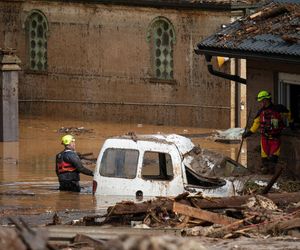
(255,125)
(74,159)
(56,167)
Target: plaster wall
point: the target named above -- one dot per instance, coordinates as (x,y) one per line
(100,68)
(263,75)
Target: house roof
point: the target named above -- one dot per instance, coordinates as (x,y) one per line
(271,32)
(179,4)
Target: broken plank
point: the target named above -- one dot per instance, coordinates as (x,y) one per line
(281,226)
(63,233)
(91,242)
(280,199)
(255,15)
(202,214)
(220,232)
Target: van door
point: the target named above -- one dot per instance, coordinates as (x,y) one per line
(160,172)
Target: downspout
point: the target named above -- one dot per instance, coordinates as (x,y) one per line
(237,95)
(235,78)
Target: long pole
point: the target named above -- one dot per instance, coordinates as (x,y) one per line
(273,180)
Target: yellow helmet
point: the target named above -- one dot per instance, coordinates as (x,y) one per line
(263,95)
(67,139)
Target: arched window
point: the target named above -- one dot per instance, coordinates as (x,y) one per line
(161,35)
(37,29)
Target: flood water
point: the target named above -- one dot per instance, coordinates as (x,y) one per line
(28,183)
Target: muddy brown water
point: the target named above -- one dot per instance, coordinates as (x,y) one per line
(28,183)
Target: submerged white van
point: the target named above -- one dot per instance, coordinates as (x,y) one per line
(152,165)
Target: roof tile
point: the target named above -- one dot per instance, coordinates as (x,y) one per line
(275,28)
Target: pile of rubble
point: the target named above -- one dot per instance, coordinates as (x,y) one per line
(228,217)
(251,216)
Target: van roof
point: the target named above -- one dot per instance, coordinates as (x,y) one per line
(183,144)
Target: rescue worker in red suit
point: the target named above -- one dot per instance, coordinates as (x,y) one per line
(69,166)
(271,120)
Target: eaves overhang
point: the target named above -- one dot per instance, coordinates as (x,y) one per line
(173,4)
(231,53)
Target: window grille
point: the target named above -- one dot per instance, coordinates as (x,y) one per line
(37,28)
(162,41)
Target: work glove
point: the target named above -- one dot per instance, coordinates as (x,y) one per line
(246,133)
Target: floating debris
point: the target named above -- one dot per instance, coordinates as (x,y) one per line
(74,130)
(232,135)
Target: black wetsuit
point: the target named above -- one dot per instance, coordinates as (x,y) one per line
(68,168)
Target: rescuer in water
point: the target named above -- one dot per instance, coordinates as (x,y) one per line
(271,121)
(69,166)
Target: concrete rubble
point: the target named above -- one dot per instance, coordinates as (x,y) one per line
(127,224)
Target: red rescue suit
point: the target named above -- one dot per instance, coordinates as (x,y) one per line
(271,123)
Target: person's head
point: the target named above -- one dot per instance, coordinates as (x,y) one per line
(68,141)
(264,97)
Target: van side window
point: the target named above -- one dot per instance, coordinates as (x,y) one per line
(119,163)
(157,166)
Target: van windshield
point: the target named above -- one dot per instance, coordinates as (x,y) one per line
(119,163)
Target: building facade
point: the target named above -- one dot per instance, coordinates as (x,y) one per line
(269,42)
(121,61)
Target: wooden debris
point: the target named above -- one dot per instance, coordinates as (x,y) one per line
(182,196)
(259,202)
(228,228)
(184,222)
(9,239)
(18,193)
(202,214)
(34,240)
(277,226)
(278,10)
(290,38)
(136,208)
(56,220)
(84,157)
(74,130)
(88,241)
(273,180)
(251,29)
(257,14)
(280,199)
